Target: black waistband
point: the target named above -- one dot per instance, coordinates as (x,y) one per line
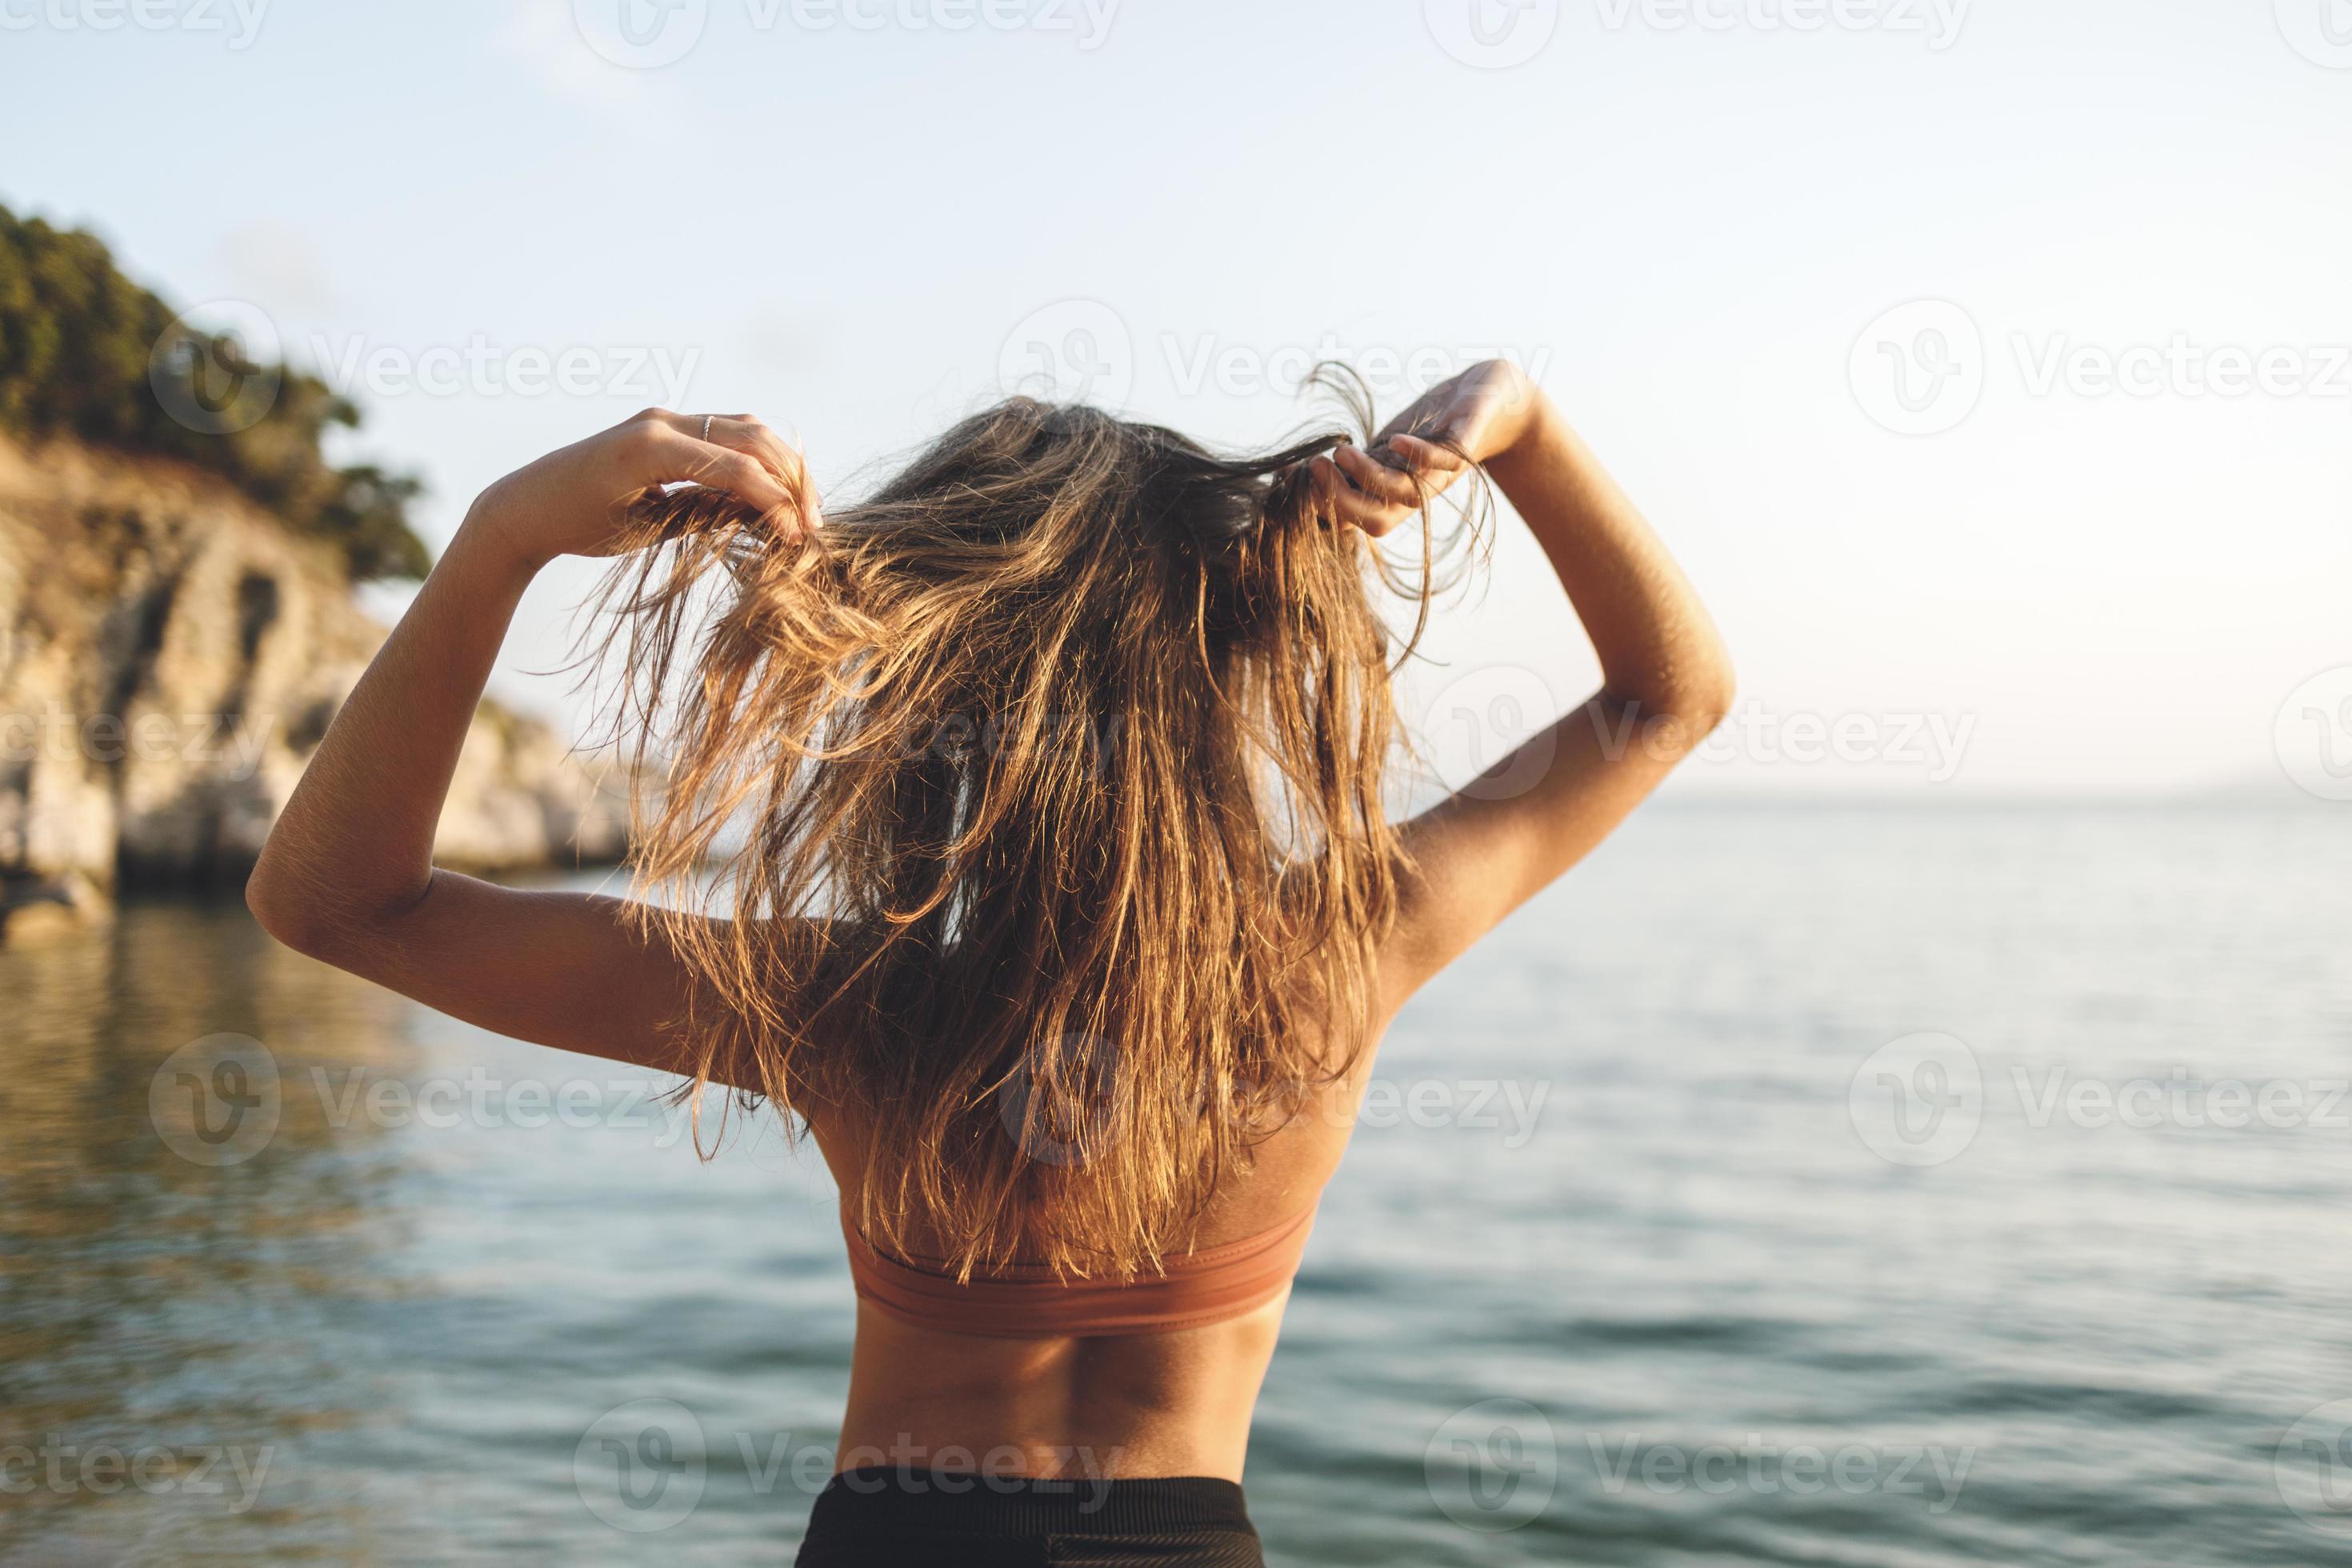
(972,1503)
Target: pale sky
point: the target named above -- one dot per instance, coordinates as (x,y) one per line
(848,218)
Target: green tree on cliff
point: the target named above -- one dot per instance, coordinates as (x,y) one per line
(85,352)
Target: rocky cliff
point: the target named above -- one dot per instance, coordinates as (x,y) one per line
(169,657)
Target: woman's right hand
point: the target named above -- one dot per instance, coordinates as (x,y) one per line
(575,499)
(1477,415)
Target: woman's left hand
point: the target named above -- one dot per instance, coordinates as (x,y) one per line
(1469,419)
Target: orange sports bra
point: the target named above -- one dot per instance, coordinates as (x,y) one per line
(1027,1302)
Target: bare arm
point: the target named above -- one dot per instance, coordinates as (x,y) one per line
(348,873)
(1665,676)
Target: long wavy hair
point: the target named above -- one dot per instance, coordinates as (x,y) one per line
(1032,816)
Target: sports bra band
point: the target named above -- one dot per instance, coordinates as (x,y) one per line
(1028,1301)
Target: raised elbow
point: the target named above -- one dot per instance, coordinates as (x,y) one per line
(290,919)
(1703,700)
(1676,714)
(298,915)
